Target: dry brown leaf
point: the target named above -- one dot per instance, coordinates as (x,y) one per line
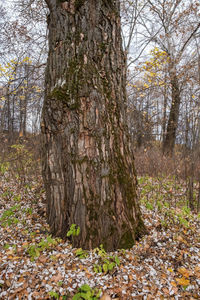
(173,283)
(165,290)
(57,277)
(43,259)
(175,289)
(36,294)
(8,283)
(21,279)
(19,290)
(180,239)
(89,275)
(105,297)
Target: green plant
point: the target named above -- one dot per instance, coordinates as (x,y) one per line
(4,167)
(8,217)
(81,253)
(166,204)
(54,294)
(106,262)
(74,230)
(34,250)
(6,246)
(17,198)
(163,223)
(87,293)
(28,210)
(159,205)
(149,206)
(183,221)
(186,210)
(7,195)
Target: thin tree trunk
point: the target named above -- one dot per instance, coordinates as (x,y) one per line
(88,166)
(170,138)
(164,112)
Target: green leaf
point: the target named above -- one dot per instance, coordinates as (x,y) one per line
(98,293)
(68,234)
(86,296)
(77,296)
(117,260)
(78,231)
(85,288)
(96,270)
(111,266)
(105,267)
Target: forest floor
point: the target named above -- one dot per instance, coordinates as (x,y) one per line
(165,264)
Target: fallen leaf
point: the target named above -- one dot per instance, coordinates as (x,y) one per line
(170,270)
(165,290)
(43,259)
(173,283)
(105,297)
(57,277)
(182,281)
(184,272)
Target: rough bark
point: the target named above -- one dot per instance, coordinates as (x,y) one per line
(88,166)
(170,137)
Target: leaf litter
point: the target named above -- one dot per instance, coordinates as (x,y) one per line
(165,264)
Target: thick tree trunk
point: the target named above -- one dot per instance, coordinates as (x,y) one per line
(88,167)
(170,137)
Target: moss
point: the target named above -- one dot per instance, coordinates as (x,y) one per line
(112,5)
(93,215)
(78,4)
(126,241)
(59,94)
(141,230)
(102,46)
(82,160)
(109,2)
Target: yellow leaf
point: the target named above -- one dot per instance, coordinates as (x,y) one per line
(170,270)
(183,281)
(184,272)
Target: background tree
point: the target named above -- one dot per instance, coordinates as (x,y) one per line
(173,27)
(23,55)
(88,166)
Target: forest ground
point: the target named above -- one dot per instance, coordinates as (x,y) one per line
(165,264)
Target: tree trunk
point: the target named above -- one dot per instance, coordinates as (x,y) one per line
(88,166)
(170,137)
